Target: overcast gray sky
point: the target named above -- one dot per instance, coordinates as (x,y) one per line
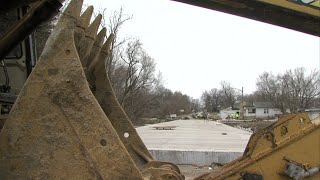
(196,48)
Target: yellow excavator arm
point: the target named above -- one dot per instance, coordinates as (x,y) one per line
(299,15)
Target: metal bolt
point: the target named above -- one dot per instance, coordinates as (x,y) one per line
(103,142)
(284,130)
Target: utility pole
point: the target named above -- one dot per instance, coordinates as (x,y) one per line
(241,107)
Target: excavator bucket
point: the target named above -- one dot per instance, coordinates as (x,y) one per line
(93,58)
(57,129)
(287,149)
(104,94)
(103,91)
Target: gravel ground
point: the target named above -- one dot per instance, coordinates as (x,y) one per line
(193,171)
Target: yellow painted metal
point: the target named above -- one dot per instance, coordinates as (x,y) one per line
(297,5)
(293,137)
(299,15)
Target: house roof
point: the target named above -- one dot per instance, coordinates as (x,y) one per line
(313,110)
(263,105)
(227,109)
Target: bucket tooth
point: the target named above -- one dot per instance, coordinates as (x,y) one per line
(86,43)
(56,128)
(98,64)
(82,23)
(73,9)
(96,48)
(107,45)
(91,31)
(86,17)
(106,97)
(100,37)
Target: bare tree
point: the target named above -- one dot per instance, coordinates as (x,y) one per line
(271,90)
(195,105)
(115,23)
(229,94)
(216,96)
(130,69)
(206,100)
(293,89)
(133,75)
(215,99)
(249,99)
(173,102)
(139,70)
(304,88)
(212,99)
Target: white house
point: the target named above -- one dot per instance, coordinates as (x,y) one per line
(224,113)
(249,112)
(262,110)
(265,110)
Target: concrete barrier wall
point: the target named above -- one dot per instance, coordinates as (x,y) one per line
(195,157)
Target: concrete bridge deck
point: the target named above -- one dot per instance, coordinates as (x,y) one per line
(194,141)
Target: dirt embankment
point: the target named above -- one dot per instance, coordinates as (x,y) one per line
(252,126)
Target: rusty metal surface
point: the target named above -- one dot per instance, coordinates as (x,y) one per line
(56,129)
(292,137)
